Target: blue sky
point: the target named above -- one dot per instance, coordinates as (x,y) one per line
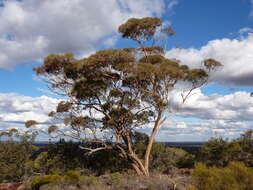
(195,22)
(203,29)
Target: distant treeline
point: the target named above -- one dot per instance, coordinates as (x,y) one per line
(191,147)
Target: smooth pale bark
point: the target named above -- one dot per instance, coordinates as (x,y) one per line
(139,168)
(142,168)
(136,160)
(157,125)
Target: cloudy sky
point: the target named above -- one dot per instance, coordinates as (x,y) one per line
(30,30)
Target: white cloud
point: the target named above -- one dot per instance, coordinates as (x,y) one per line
(201,117)
(201,130)
(31,30)
(237,106)
(205,116)
(235,54)
(17,109)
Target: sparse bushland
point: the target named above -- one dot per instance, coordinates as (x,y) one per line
(50,169)
(236,176)
(64,166)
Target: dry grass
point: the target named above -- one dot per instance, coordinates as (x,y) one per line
(117,181)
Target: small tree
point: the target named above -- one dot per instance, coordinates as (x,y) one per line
(246,141)
(215,152)
(16,151)
(113,92)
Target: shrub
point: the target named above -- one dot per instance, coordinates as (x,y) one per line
(186,161)
(88,180)
(115,179)
(45,164)
(214,152)
(72,177)
(234,177)
(164,159)
(39,181)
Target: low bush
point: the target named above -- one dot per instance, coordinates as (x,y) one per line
(39,181)
(165,160)
(88,180)
(236,176)
(72,177)
(115,179)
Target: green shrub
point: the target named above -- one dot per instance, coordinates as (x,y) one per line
(72,177)
(214,152)
(234,177)
(164,159)
(39,181)
(186,161)
(115,178)
(89,180)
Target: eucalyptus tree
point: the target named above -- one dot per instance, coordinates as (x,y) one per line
(114,92)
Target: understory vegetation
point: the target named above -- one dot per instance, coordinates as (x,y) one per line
(219,164)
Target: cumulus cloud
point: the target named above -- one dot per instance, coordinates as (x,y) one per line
(31,30)
(205,116)
(235,55)
(201,130)
(201,117)
(233,107)
(16,109)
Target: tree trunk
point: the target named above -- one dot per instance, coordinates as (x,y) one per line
(130,155)
(139,167)
(140,171)
(158,122)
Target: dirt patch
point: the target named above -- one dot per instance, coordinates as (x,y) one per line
(9,186)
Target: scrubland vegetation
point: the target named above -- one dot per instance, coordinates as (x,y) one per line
(219,164)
